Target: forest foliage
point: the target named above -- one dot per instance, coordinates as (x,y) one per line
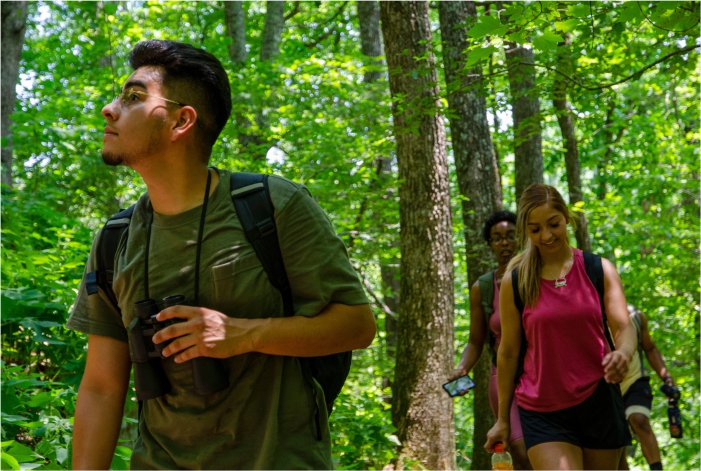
(638,145)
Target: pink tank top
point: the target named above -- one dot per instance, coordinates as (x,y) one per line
(566,344)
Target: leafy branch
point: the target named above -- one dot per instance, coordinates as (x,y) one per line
(579,83)
(660,27)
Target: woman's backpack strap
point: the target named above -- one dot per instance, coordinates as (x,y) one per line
(595,271)
(486,284)
(518,301)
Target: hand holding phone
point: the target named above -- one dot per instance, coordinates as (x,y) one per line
(459,386)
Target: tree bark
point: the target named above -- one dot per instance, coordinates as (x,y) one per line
(421,411)
(370,36)
(566,121)
(14,17)
(235,21)
(272,30)
(528,152)
(478,180)
(371,46)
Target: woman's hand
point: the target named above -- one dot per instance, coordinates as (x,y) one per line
(499,433)
(615,366)
(459,371)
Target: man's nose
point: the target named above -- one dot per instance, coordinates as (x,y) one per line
(111,111)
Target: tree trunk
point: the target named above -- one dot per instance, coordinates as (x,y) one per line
(528,153)
(421,411)
(566,122)
(235,21)
(14,17)
(272,30)
(478,180)
(370,36)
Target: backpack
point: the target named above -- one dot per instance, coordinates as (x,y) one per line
(251,198)
(634,314)
(595,272)
(486,284)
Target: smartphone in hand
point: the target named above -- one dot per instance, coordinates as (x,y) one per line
(459,385)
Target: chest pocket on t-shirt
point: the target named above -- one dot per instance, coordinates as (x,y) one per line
(242,289)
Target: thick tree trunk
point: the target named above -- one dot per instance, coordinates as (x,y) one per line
(272,30)
(421,411)
(14,17)
(478,180)
(235,21)
(566,121)
(370,36)
(528,152)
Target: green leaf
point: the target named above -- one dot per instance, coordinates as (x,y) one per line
(487,25)
(548,41)
(22,453)
(580,10)
(477,55)
(567,25)
(519,37)
(629,11)
(9,462)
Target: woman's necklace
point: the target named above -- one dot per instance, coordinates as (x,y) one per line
(561,281)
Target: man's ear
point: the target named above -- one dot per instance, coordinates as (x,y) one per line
(186,120)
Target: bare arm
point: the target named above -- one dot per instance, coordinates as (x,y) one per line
(100,404)
(654,357)
(616,363)
(337,328)
(507,361)
(478,333)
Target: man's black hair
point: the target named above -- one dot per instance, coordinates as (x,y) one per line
(191,76)
(496,218)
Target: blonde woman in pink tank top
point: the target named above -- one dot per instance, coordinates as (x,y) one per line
(499,232)
(569,402)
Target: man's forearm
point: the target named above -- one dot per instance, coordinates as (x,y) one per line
(338,328)
(98,419)
(654,357)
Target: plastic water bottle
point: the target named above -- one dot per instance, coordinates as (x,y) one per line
(501,460)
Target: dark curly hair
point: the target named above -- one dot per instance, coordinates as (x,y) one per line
(193,76)
(496,218)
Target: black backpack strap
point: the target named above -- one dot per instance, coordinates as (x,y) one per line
(486,284)
(595,272)
(518,301)
(255,210)
(103,276)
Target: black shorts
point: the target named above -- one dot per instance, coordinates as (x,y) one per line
(638,398)
(597,423)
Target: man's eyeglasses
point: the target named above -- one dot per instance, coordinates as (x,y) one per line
(499,239)
(129,96)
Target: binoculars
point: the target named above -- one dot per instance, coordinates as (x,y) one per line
(208,374)
(671,392)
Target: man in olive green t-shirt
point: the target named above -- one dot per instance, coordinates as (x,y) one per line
(163,125)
